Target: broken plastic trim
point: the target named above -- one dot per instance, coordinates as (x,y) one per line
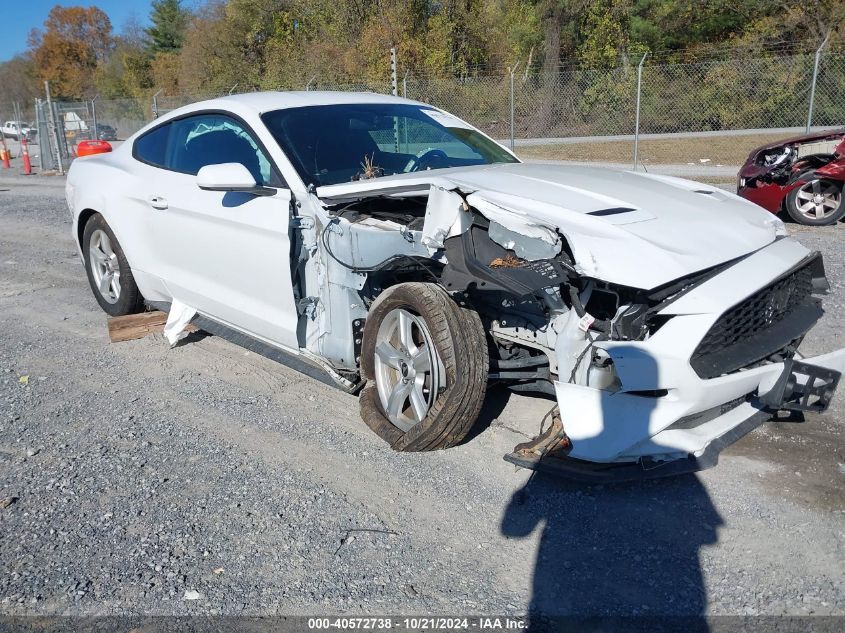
(475,262)
(178,317)
(788,393)
(562,465)
(308,365)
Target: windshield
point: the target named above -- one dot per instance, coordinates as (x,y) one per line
(331,144)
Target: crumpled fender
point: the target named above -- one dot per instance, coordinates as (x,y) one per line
(610,248)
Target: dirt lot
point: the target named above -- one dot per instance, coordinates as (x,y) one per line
(714,150)
(206,479)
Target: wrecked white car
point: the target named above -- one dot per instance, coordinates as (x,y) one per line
(398,252)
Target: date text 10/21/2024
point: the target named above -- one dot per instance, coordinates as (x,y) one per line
(490,623)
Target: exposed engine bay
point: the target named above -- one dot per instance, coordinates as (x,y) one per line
(561,316)
(793,161)
(519,284)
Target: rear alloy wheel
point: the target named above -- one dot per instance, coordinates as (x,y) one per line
(108,271)
(426,361)
(104,267)
(816,203)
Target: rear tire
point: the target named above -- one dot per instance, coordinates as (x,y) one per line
(109,274)
(426,387)
(816,203)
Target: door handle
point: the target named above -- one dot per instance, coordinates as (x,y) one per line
(157,202)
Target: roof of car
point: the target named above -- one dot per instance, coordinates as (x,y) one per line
(267,101)
(257,103)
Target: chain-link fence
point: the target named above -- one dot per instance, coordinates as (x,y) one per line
(735,94)
(708,96)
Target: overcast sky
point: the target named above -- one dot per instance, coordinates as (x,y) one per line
(19,17)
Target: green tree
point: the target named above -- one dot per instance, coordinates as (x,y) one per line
(126,70)
(170,19)
(18,78)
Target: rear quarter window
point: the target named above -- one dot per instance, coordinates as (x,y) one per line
(151,148)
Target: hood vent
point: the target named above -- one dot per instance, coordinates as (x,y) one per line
(613,211)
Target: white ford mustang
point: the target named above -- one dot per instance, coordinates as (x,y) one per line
(395,250)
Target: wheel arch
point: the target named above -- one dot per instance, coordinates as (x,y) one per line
(84,216)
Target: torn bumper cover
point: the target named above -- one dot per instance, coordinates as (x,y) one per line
(670,414)
(689,444)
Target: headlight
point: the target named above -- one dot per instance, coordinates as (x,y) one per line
(776,157)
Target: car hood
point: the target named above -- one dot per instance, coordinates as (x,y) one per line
(633,229)
(803,138)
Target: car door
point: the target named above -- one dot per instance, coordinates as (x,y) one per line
(227,254)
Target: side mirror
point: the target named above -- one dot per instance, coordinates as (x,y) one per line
(230,177)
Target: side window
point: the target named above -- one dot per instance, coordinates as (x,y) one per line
(211,139)
(152,147)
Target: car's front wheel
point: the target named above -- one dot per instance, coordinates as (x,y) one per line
(816,203)
(108,270)
(426,362)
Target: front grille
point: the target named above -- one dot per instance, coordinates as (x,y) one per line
(765,323)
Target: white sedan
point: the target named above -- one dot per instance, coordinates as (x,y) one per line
(396,251)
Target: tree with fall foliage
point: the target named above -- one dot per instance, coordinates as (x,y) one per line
(67,53)
(272,44)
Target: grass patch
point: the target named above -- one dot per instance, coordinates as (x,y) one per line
(721,150)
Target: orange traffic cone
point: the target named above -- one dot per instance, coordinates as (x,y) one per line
(27,165)
(4,155)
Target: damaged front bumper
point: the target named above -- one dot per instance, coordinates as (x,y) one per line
(690,444)
(670,413)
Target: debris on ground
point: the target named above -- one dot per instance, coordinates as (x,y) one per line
(348,538)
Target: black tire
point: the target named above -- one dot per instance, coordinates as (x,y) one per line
(792,203)
(129,300)
(459,339)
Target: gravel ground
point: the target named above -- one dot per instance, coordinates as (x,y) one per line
(206,479)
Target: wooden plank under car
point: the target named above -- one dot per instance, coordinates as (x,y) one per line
(132,326)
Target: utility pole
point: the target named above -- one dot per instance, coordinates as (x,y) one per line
(394,83)
(637,116)
(54,130)
(94,116)
(39,112)
(393,77)
(155,103)
(813,85)
(512,71)
(18,115)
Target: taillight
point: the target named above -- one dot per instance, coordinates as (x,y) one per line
(88,148)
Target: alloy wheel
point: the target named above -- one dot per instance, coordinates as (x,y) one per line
(104,266)
(407,368)
(818,199)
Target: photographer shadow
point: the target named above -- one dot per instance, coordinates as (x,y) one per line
(617,556)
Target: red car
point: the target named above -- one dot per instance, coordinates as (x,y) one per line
(805,175)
